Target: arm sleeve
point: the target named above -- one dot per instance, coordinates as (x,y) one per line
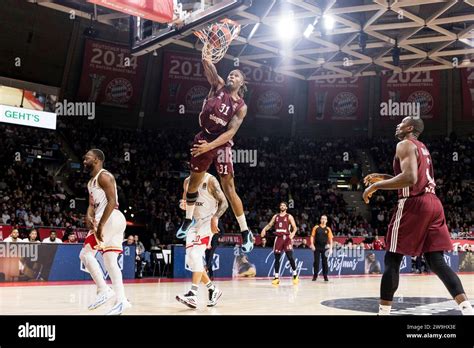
(330,236)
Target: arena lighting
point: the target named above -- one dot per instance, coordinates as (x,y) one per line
(287,27)
(132,215)
(363,40)
(310,28)
(396,55)
(328,22)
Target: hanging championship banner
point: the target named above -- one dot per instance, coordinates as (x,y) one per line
(410,94)
(184,87)
(111,76)
(336,99)
(467,78)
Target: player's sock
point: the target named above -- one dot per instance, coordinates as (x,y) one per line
(115,274)
(93,267)
(191,198)
(384,309)
(276,275)
(242,222)
(210,286)
(194,289)
(294,273)
(466,308)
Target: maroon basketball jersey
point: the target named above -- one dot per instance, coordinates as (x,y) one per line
(425,181)
(217,111)
(282,224)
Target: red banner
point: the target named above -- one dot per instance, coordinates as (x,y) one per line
(336,99)
(467,78)
(158,11)
(401,90)
(184,87)
(267,95)
(111,75)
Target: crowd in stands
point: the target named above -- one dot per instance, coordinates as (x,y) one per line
(150,166)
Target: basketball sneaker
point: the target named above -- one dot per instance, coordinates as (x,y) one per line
(101,298)
(315,277)
(118,308)
(183,230)
(189,299)
(326,279)
(296,280)
(247,241)
(214,296)
(276,281)
(242,266)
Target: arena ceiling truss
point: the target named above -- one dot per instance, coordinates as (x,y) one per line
(367,37)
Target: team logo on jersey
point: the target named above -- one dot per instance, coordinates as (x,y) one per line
(345,104)
(401,305)
(269,103)
(195,97)
(204,186)
(119,91)
(424,99)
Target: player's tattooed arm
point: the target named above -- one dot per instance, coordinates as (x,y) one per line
(107,183)
(182,201)
(294,229)
(215,190)
(212,75)
(268,226)
(225,137)
(406,153)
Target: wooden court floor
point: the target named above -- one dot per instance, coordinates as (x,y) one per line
(417,295)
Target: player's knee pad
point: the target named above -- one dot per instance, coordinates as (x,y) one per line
(85,255)
(194,259)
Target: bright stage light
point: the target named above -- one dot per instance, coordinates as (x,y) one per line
(328,22)
(287,27)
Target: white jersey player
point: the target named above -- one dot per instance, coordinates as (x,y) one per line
(209,207)
(107,226)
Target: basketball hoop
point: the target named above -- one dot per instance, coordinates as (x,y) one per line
(217,38)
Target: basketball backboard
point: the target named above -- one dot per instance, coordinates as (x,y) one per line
(190,15)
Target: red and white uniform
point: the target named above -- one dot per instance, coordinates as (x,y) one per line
(205,207)
(114,228)
(418,224)
(283,243)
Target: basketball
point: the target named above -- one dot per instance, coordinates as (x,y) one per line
(219,36)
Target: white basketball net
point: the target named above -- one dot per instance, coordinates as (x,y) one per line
(217,38)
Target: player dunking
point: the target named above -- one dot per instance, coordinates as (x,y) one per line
(210,205)
(107,225)
(222,114)
(418,226)
(283,240)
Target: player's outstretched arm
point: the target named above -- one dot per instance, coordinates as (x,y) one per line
(212,76)
(232,129)
(268,226)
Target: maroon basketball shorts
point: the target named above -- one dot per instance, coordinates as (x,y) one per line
(221,157)
(418,226)
(283,243)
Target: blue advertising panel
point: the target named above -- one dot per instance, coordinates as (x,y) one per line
(230,262)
